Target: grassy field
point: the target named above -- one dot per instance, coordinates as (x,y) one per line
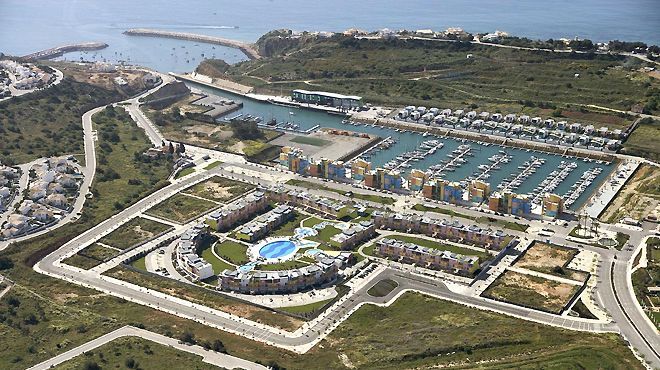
(47,123)
(493,222)
(310,141)
(366,339)
(218,264)
(444,211)
(91,256)
(81,261)
(122,173)
(498,223)
(181,208)
(483,256)
(232,251)
(382,288)
(140,264)
(413,72)
(184,172)
(135,353)
(643,141)
(205,297)
(219,189)
(307,308)
(99,252)
(213,165)
(531,291)
(133,232)
(287,228)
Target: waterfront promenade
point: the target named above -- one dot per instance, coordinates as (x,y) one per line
(247,49)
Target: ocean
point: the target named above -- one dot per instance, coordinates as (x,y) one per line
(31,25)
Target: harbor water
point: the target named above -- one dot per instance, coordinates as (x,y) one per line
(411,141)
(31,25)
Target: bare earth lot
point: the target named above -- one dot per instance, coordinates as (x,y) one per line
(638,199)
(550,259)
(531,291)
(219,189)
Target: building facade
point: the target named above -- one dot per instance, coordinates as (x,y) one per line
(431,258)
(455,231)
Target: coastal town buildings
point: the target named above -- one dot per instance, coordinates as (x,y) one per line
(384,179)
(326,98)
(296,161)
(354,235)
(442,229)
(431,258)
(187,257)
(511,203)
(324,271)
(263,224)
(307,201)
(237,211)
(52,188)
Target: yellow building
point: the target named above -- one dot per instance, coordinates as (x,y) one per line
(478,191)
(359,168)
(417,179)
(553,205)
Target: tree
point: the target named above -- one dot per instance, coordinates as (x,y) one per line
(91,365)
(6,263)
(218,346)
(187,337)
(171,148)
(182,148)
(131,363)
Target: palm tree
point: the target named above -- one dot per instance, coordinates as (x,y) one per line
(594,226)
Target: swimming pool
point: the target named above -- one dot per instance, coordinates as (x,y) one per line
(277,249)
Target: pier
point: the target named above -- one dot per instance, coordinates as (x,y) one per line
(246,48)
(60,50)
(499,160)
(456,160)
(528,168)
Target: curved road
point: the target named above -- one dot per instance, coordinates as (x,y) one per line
(625,314)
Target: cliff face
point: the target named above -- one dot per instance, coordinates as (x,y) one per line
(213,68)
(279,42)
(167,95)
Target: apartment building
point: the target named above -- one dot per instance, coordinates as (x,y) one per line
(431,258)
(442,228)
(237,211)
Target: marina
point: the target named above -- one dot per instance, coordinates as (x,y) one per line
(506,168)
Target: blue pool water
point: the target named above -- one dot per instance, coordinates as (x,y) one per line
(277,249)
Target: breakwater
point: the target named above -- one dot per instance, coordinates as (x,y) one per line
(60,50)
(246,48)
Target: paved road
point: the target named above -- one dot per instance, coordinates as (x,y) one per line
(631,326)
(22,186)
(88,172)
(59,76)
(214,358)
